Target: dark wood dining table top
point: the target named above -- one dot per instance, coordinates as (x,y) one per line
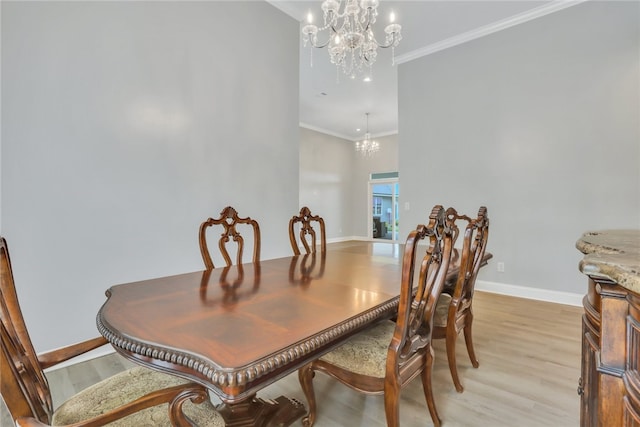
(237,329)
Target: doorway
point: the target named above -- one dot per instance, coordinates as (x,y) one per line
(383,203)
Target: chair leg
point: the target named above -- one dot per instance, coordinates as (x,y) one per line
(452,337)
(392,401)
(469,341)
(428,389)
(305,376)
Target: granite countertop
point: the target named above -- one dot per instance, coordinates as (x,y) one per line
(612,254)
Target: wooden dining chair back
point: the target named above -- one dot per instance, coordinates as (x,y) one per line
(388,355)
(230,221)
(135,397)
(26,394)
(306,235)
(454,311)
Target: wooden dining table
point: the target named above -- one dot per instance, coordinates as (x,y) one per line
(238,329)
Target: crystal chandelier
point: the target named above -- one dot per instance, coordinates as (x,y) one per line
(351,43)
(367,146)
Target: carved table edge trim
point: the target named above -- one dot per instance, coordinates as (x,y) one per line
(238,377)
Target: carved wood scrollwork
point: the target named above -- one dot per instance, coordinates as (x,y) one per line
(307,234)
(432,273)
(229,219)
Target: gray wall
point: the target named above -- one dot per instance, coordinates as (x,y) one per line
(125,125)
(540,123)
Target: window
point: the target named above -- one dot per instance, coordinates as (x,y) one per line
(377,206)
(384,192)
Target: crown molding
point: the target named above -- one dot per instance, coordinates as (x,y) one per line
(325,131)
(551,7)
(383,134)
(283,6)
(348,138)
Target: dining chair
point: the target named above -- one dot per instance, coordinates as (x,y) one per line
(136,397)
(229,220)
(383,358)
(454,310)
(306,235)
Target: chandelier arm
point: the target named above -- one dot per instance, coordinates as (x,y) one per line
(319,46)
(368,15)
(386,46)
(334,24)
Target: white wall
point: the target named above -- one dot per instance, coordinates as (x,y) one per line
(334,180)
(539,122)
(125,125)
(325,179)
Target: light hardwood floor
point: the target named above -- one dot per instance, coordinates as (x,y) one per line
(529,354)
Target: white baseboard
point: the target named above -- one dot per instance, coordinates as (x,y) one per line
(347,238)
(548,295)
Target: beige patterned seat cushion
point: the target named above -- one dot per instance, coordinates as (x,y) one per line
(366,352)
(125,387)
(442,310)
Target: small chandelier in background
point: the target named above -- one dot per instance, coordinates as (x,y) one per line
(351,43)
(367,147)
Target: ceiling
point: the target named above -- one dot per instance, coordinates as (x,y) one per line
(333,103)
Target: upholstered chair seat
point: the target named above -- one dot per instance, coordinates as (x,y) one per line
(125,387)
(442,310)
(366,352)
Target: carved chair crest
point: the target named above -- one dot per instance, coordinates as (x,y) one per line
(475,238)
(307,234)
(229,219)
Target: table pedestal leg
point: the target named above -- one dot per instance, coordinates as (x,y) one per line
(262,413)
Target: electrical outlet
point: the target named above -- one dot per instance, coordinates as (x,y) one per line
(406,206)
(500,267)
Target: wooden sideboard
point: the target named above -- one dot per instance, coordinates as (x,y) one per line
(610,380)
